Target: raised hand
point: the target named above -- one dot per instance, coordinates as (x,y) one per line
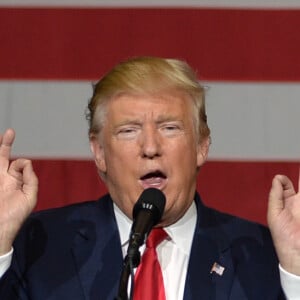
(284,222)
(18,192)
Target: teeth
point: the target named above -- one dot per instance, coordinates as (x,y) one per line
(153,181)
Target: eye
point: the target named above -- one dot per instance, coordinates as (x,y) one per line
(171,129)
(127,132)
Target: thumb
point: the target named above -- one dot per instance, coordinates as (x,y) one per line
(30,179)
(275,203)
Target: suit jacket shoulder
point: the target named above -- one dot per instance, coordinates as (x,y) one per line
(231,258)
(65,253)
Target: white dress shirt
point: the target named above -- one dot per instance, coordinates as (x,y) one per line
(173,253)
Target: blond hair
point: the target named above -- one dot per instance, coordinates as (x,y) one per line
(148,75)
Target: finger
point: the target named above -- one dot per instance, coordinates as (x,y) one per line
(16,169)
(6,142)
(22,170)
(30,187)
(299,182)
(275,204)
(282,188)
(30,177)
(287,185)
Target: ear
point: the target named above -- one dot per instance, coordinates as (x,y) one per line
(202,151)
(98,153)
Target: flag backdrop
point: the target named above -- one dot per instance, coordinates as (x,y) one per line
(247,53)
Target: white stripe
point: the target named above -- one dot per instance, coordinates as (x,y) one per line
(48,117)
(254,121)
(274,4)
(248,120)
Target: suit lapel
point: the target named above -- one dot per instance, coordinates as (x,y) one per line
(209,246)
(97,252)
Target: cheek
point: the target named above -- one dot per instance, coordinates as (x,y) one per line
(120,158)
(186,155)
(182,162)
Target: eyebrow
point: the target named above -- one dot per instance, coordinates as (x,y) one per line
(160,119)
(168,118)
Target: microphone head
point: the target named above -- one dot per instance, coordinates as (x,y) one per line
(152,200)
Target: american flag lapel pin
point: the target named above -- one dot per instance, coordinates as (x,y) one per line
(218,269)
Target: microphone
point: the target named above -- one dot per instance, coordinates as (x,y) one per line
(147,212)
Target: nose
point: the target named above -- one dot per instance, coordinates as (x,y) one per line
(150,142)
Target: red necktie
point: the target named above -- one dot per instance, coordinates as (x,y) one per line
(149,283)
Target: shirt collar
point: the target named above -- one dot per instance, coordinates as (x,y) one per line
(181,233)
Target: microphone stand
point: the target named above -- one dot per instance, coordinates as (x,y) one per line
(132,260)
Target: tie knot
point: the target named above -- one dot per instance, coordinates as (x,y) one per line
(156,236)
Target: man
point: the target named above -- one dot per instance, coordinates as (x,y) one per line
(148,129)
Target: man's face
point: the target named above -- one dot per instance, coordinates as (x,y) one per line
(150,141)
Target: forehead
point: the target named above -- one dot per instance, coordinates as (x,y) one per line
(159,105)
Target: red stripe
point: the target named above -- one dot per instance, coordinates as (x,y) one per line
(240,188)
(224,44)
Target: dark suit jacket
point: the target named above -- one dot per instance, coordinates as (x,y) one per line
(75,253)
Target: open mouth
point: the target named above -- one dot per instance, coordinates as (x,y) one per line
(156,179)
